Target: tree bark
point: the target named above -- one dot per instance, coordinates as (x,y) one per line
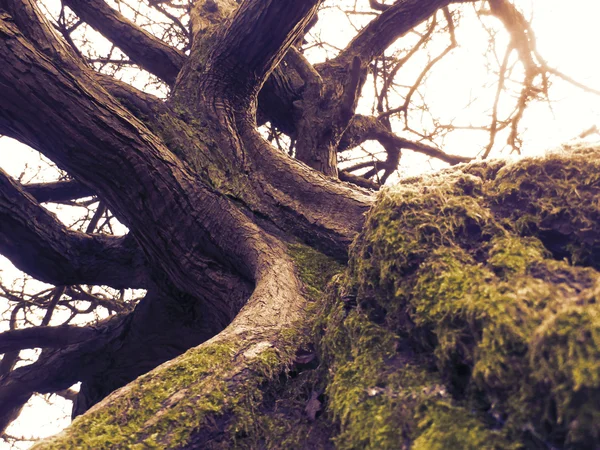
(76,123)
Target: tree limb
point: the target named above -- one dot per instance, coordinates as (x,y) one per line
(53,371)
(374,4)
(256,38)
(58,191)
(147,51)
(364,128)
(390,25)
(68,394)
(44,337)
(358,180)
(37,243)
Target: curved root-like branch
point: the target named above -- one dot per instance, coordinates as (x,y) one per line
(216,382)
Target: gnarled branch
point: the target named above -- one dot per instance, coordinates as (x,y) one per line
(37,243)
(147,51)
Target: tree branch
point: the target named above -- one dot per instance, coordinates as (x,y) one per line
(364,128)
(390,25)
(44,337)
(256,38)
(358,180)
(67,394)
(163,325)
(53,371)
(37,243)
(58,191)
(374,4)
(147,51)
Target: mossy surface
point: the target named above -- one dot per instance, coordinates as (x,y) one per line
(314,269)
(198,400)
(468,318)
(280,419)
(384,395)
(132,417)
(481,284)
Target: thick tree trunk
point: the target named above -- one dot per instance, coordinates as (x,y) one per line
(215,204)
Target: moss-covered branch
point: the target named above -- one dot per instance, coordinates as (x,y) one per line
(477,321)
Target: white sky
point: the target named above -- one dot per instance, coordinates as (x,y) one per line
(568,37)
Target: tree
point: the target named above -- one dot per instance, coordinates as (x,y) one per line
(234,242)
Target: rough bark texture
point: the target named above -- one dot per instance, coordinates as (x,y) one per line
(235,243)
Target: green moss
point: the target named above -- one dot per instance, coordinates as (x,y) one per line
(314,268)
(186,383)
(473,271)
(449,427)
(555,198)
(386,398)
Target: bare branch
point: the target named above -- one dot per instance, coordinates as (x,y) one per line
(390,25)
(351,90)
(424,72)
(67,394)
(53,371)
(32,24)
(44,337)
(494,124)
(358,180)
(374,4)
(37,243)
(145,50)
(571,80)
(58,191)
(363,128)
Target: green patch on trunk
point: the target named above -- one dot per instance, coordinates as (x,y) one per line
(134,417)
(483,283)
